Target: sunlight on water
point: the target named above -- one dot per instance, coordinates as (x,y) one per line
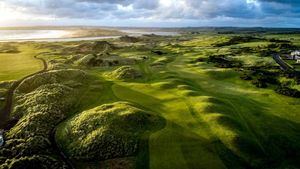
(68,35)
(32,34)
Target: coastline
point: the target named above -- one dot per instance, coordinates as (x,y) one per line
(54,35)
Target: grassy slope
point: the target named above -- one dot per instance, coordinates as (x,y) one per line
(207,108)
(195,120)
(17,65)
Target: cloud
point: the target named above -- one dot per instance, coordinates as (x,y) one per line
(168,10)
(290,2)
(91,9)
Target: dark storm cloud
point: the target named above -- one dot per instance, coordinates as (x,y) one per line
(285,8)
(228,8)
(291,2)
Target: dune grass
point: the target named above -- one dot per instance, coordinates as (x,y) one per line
(107,131)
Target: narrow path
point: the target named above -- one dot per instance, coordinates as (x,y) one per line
(281,63)
(6,123)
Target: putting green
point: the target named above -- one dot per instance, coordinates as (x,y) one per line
(14,66)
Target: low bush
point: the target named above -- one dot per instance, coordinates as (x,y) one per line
(30,162)
(198,60)
(129,39)
(158,52)
(224,62)
(266,53)
(287,91)
(279,40)
(260,77)
(246,76)
(259,83)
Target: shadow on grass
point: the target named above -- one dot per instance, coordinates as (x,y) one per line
(262,139)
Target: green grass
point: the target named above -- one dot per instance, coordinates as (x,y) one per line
(16,65)
(216,110)
(98,133)
(253,44)
(294,64)
(254,60)
(213,119)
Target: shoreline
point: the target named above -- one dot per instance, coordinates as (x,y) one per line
(52,35)
(60,39)
(66,35)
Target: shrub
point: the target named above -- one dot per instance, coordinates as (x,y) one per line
(129,39)
(30,162)
(259,83)
(158,52)
(266,53)
(284,90)
(279,40)
(198,60)
(246,76)
(224,62)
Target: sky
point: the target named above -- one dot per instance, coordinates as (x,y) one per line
(151,13)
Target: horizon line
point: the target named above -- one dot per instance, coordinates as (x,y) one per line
(162,27)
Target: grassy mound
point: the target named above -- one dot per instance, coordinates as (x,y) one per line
(126,72)
(94,47)
(47,104)
(164,85)
(129,39)
(214,119)
(70,77)
(104,60)
(43,100)
(105,132)
(85,60)
(45,162)
(40,103)
(162,61)
(6,84)
(8,48)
